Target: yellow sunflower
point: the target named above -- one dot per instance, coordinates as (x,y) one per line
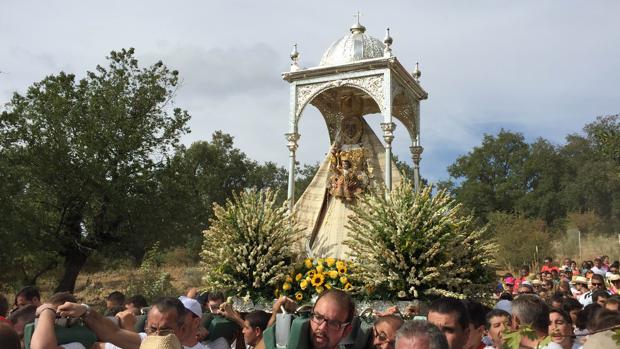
(311,273)
(298,277)
(342,269)
(303,284)
(333,274)
(330,261)
(299,296)
(286,286)
(308,263)
(317,280)
(319,268)
(319,289)
(347,287)
(344,280)
(339,264)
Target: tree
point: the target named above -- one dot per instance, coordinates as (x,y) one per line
(196,178)
(543,172)
(88,151)
(592,180)
(492,174)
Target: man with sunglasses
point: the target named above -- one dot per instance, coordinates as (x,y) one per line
(597,283)
(330,320)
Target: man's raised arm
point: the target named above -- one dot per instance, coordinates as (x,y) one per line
(105,329)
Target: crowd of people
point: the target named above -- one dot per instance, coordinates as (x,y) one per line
(573,307)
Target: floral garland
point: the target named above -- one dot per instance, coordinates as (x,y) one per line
(313,276)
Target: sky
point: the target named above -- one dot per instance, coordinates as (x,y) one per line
(542,68)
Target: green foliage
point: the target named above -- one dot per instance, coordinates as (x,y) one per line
(512,339)
(410,245)
(204,174)
(493,178)
(248,246)
(521,240)
(605,134)
(150,281)
(84,155)
(542,180)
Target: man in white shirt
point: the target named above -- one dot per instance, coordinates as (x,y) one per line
(598,267)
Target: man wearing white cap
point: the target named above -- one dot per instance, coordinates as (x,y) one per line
(167,316)
(193,315)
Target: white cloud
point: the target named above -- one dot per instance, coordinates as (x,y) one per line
(541,68)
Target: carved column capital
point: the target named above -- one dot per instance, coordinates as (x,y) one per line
(416,153)
(292,139)
(388,132)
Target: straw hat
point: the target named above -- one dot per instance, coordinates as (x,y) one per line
(614,277)
(580,280)
(536,282)
(161,342)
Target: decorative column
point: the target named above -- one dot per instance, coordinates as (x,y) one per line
(388,136)
(292,139)
(416,155)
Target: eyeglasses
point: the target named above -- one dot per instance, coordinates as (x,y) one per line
(596,284)
(331,324)
(381,336)
(158,331)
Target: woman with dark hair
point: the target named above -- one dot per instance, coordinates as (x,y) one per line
(561,329)
(585,320)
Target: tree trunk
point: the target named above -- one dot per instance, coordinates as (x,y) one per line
(73,249)
(74,261)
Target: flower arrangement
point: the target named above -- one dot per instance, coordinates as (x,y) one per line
(419,245)
(247,248)
(312,276)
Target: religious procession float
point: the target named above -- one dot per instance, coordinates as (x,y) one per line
(360,225)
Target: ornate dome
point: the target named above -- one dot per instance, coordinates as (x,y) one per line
(356,46)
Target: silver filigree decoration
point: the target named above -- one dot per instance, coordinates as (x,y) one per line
(372,85)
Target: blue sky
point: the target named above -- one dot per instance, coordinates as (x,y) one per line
(543,68)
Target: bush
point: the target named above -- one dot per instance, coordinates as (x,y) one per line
(150,281)
(522,241)
(409,245)
(248,247)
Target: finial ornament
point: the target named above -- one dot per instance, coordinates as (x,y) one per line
(295,59)
(357,27)
(387,51)
(416,72)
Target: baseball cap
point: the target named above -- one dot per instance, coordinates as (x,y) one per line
(191,305)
